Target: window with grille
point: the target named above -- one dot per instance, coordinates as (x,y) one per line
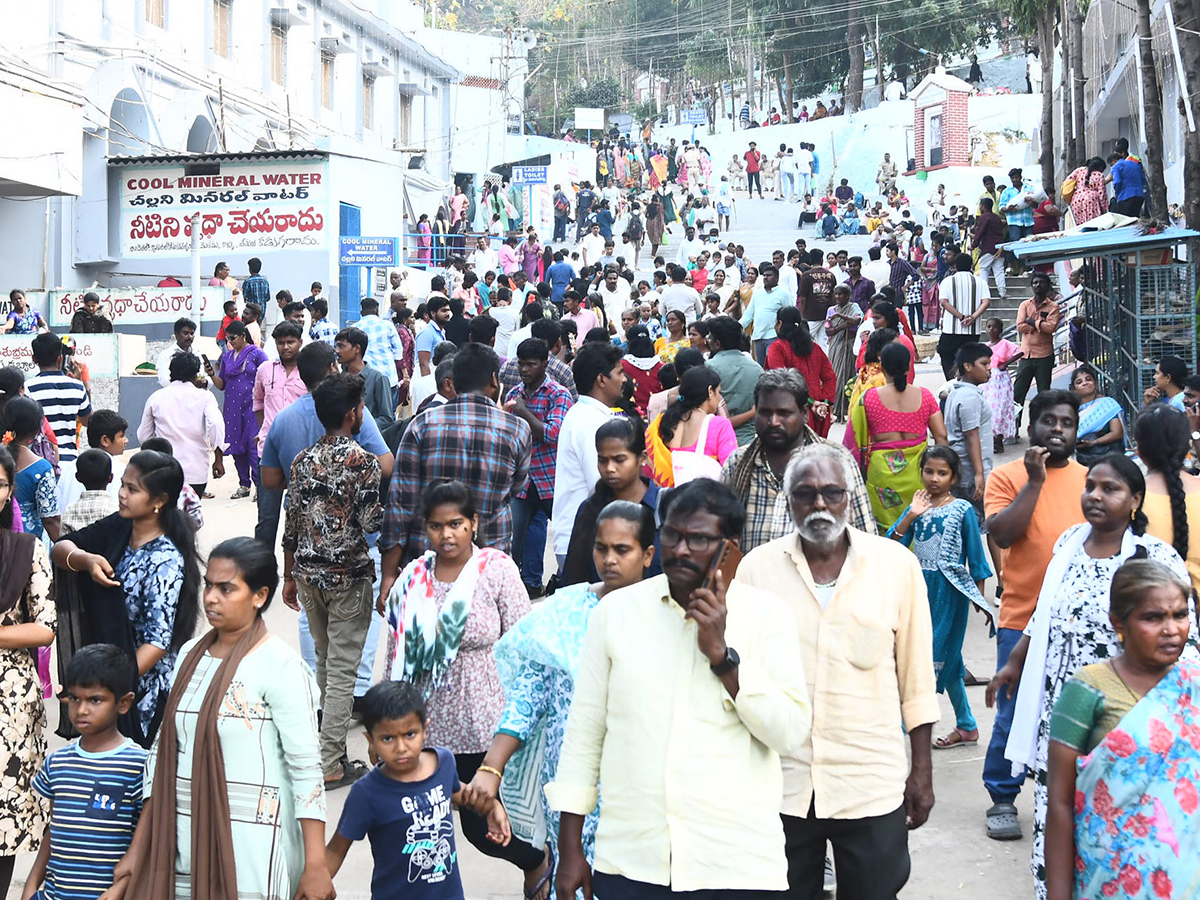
(223,27)
(368,101)
(156,12)
(327,79)
(279,54)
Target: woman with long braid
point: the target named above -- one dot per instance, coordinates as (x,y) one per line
(1172,504)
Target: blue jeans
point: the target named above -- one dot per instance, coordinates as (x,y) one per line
(560,229)
(760,350)
(530,517)
(366,665)
(1015,233)
(997,771)
(269,505)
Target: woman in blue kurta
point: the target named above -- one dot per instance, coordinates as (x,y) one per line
(235,376)
(537,660)
(944,534)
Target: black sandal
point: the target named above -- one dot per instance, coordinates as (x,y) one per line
(351,772)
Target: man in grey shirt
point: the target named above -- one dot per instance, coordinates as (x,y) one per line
(677,295)
(969,421)
(739,374)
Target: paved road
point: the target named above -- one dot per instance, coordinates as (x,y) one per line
(951,855)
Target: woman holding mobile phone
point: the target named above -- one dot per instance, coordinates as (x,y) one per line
(235,376)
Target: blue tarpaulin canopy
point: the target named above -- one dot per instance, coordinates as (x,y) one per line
(1107,242)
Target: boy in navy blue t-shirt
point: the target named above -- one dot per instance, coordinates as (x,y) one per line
(403,805)
(94,784)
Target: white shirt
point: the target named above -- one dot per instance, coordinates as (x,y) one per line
(615,302)
(683,298)
(790,164)
(506,317)
(804,160)
(485,261)
(421,387)
(840,274)
(878,271)
(526,331)
(575,467)
(688,249)
(692,778)
(163,364)
(189,418)
(789,280)
(593,248)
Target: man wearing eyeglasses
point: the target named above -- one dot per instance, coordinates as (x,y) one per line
(868,652)
(687,695)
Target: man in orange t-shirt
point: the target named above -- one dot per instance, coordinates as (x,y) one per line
(1028,502)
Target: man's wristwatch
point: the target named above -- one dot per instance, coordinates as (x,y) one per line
(1196,435)
(728,664)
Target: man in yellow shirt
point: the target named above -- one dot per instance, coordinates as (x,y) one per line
(868,653)
(685,699)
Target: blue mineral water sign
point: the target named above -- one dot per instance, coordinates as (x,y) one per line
(529,175)
(367,251)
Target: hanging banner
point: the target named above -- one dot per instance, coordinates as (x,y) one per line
(135,306)
(248,206)
(97,351)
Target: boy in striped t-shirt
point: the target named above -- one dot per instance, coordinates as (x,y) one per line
(94,784)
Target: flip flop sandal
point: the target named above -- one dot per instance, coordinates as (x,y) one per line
(971,680)
(956,738)
(1002,823)
(531,893)
(351,772)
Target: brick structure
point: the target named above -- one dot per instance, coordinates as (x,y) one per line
(940,126)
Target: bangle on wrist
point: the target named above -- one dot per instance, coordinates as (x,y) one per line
(492,771)
(69,555)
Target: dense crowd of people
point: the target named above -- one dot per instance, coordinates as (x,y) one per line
(716,554)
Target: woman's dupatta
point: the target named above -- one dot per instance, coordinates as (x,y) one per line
(214,870)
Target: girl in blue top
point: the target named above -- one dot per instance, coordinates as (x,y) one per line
(943,531)
(22,319)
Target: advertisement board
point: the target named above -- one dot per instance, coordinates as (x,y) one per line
(249,206)
(135,306)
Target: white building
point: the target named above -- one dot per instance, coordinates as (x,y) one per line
(327,86)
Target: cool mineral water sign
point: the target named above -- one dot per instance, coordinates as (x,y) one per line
(529,175)
(367,251)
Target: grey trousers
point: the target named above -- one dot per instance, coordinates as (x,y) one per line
(338,622)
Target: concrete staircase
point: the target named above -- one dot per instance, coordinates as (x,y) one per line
(1019,290)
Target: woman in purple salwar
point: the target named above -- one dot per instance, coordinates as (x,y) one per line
(235,376)
(530,252)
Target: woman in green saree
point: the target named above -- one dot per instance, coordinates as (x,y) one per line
(892,425)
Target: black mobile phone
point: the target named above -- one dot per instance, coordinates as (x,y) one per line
(207,361)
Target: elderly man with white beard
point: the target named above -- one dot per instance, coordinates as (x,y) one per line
(867,648)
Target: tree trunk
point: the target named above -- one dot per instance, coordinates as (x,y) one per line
(1076,155)
(779,91)
(852,96)
(1045,29)
(1187,24)
(788,71)
(1151,114)
(878,60)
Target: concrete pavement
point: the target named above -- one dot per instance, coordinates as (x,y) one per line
(951,855)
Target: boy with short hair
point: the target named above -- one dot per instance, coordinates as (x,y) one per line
(230,310)
(105,431)
(314,292)
(969,421)
(94,784)
(403,804)
(322,329)
(93,470)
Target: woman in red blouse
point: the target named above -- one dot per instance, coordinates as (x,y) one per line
(795,349)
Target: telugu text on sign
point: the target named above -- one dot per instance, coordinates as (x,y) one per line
(247,207)
(135,306)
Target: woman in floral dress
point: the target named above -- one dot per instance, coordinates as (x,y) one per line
(145,553)
(1071,627)
(28,619)
(446,611)
(22,319)
(1090,197)
(537,661)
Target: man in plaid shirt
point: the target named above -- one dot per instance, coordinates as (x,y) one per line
(256,288)
(468,439)
(755,471)
(384,351)
(322,329)
(543,404)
